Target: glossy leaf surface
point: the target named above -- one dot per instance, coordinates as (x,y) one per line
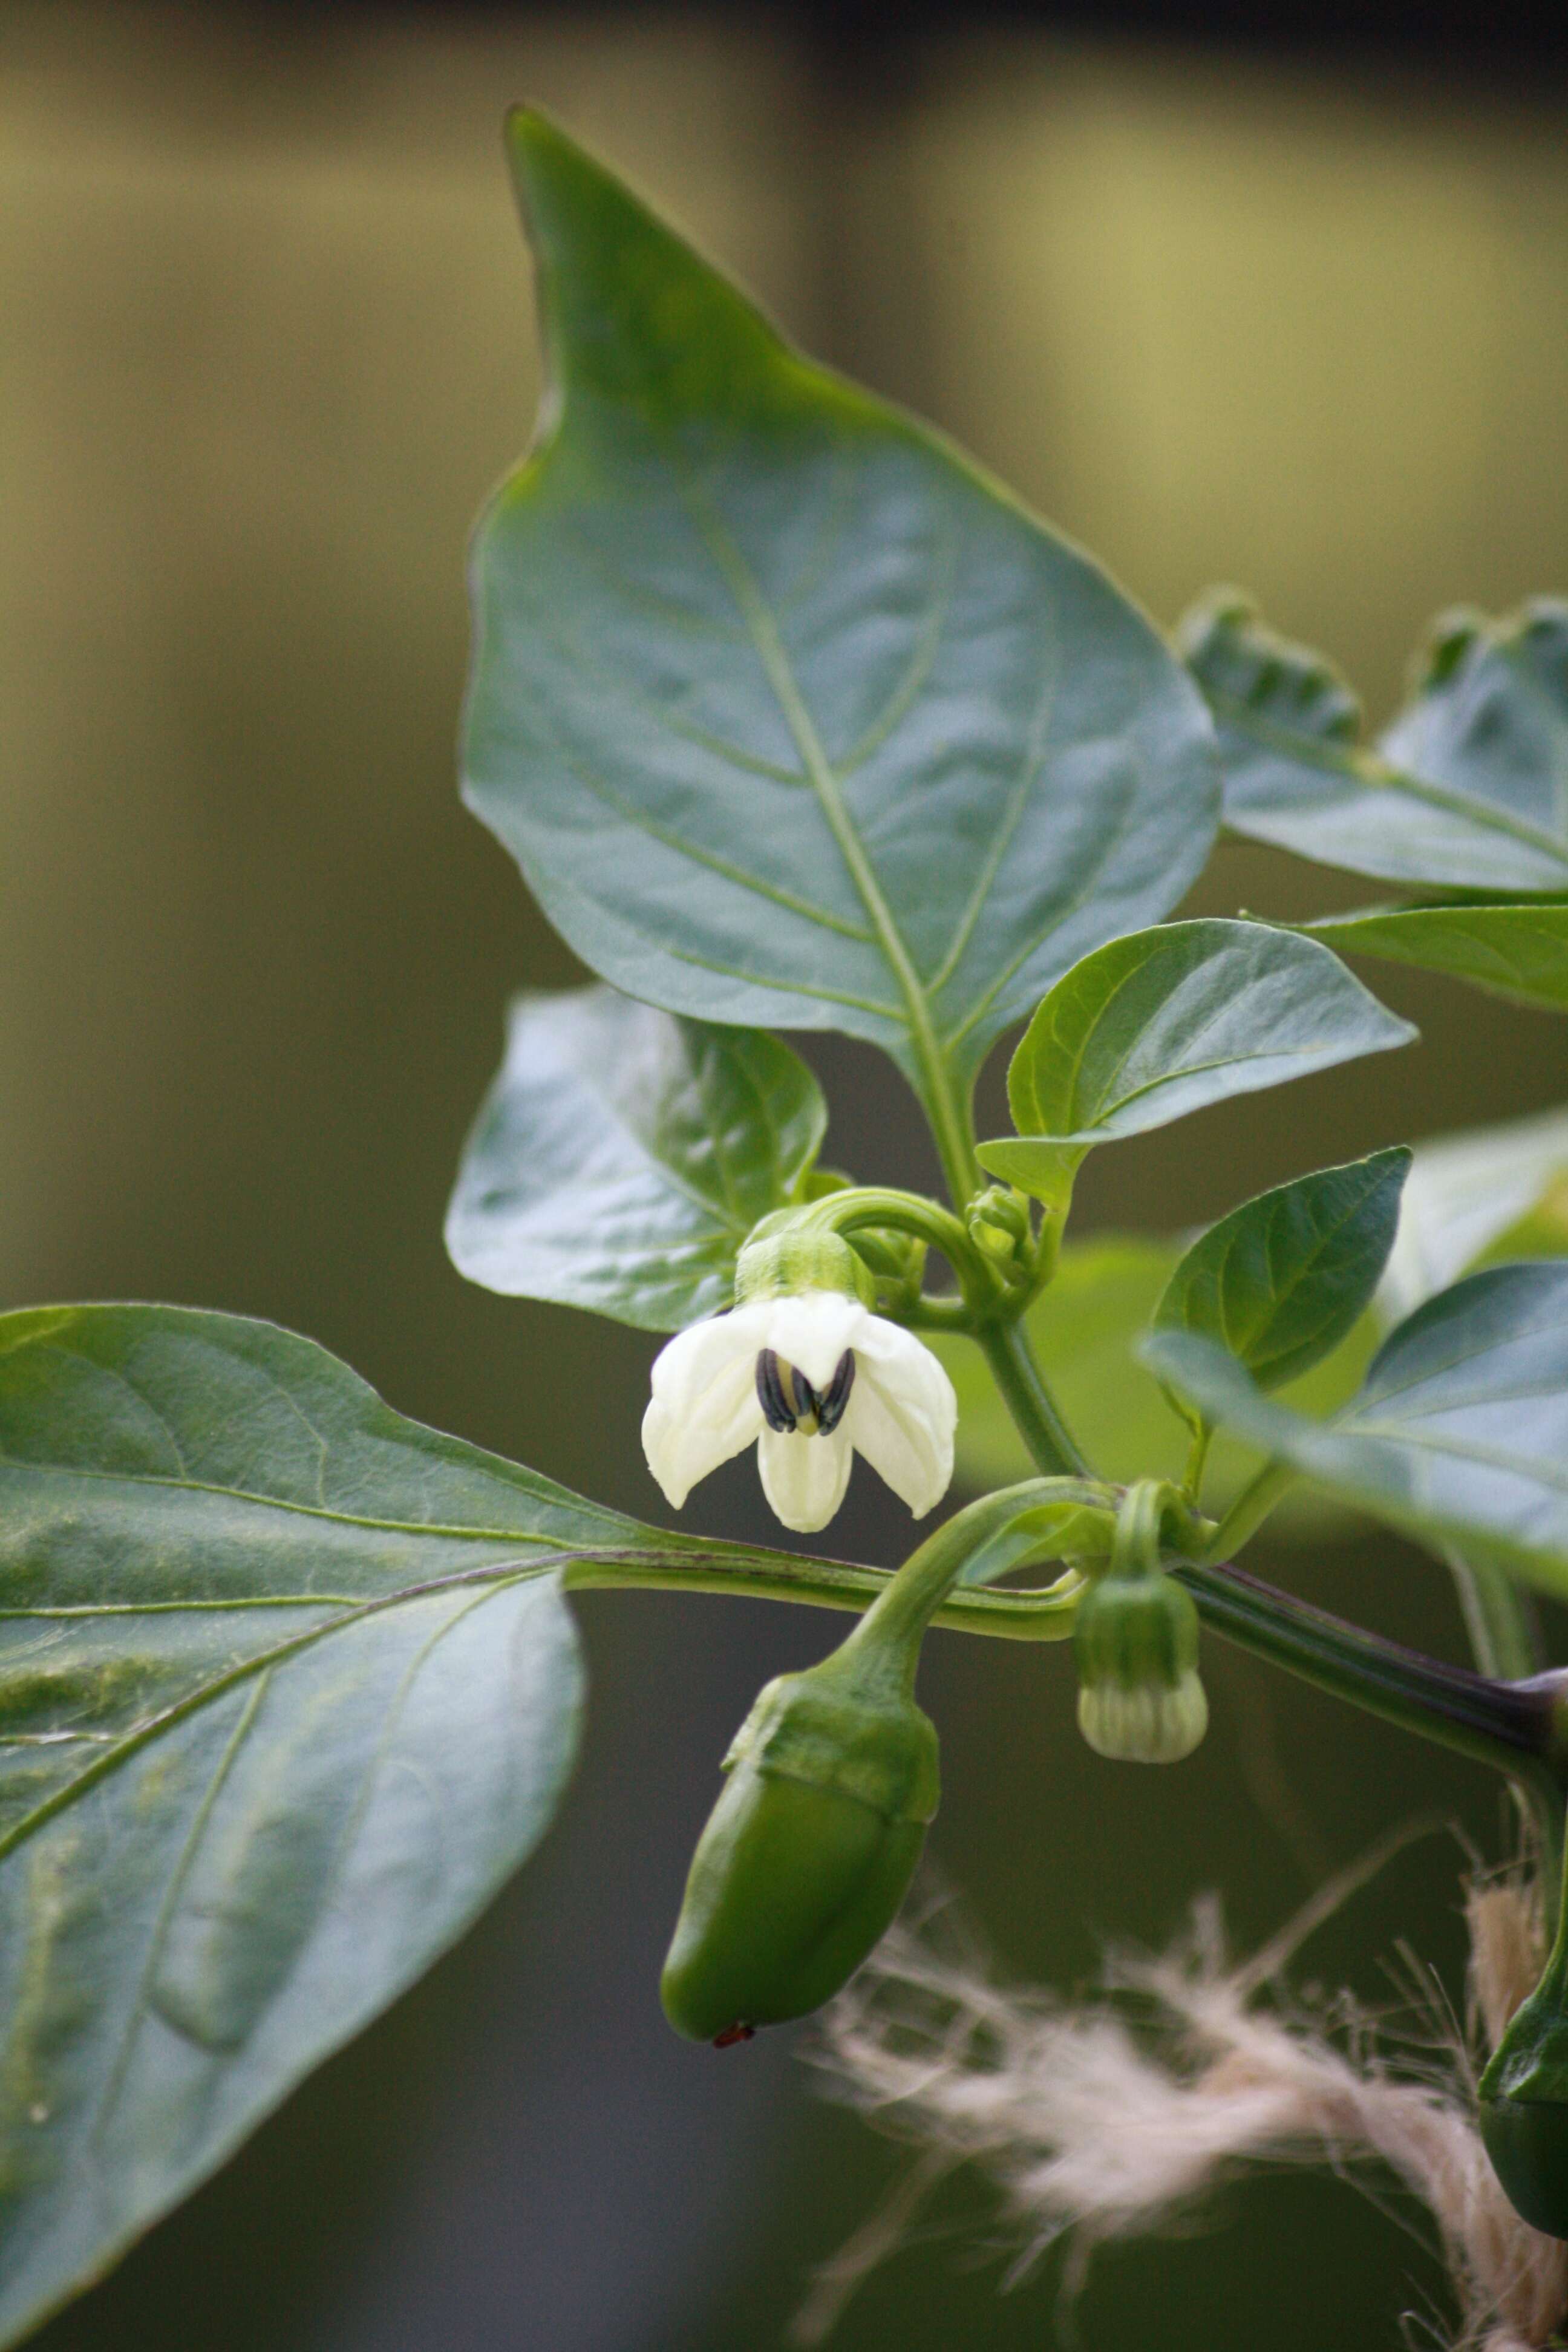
(623,1156)
(1160,1024)
(1282,1280)
(1520,952)
(787,712)
(1459,1433)
(288,1690)
(1490,1193)
(1468,788)
(1085,1332)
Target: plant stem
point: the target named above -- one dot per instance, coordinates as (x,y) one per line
(1251,1509)
(1514,1727)
(1052,1447)
(1518,1727)
(984,1540)
(887,1208)
(1505,1639)
(1042,1615)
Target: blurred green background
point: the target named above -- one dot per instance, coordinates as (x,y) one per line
(266,341)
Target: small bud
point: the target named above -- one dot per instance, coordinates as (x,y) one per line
(998,1222)
(1523,2100)
(1135,1639)
(807,1854)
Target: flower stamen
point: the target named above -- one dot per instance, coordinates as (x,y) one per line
(830,1405)
(791,1406)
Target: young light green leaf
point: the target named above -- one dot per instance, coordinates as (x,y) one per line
(1492,1192)
(1459,1433)
(1520,952)
(1163,1023)
(789,714)
(288,1689)
(1084,1330)
(1467,789)
(622,1157)
(1285,1278)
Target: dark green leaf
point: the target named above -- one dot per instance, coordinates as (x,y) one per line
(1459,1434)
(1084,1330)
(1520,952)
(1160,1024)
(1285,1278)
(789,714)
(623,1156)
(1467,788)
(287,1690)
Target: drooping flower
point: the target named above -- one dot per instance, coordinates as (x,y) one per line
(814,1377)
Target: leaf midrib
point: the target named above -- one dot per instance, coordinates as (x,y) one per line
(957,1153)
(1530,1469)
(1376,775)
(1280,1297)
(191,1702)
(303,1510)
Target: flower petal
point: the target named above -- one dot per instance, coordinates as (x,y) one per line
(811,1329)
(704,1405)
(804,1478)
(685,1369)
(902,1414)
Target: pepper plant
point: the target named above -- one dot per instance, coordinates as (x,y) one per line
(795,719)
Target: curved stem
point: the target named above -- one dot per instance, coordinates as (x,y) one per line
(1052,1445)
(984,1540)
(939,1314)
(909,1212)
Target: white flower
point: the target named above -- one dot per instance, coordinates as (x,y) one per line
(815,1378)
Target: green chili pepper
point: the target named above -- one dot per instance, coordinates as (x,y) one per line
(1523,2097)
(833,1777)
(808,1853)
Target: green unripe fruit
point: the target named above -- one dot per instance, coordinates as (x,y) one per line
(807,1854)
(1135,1638)
(1524,2106)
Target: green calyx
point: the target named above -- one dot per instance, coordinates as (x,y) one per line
(1135,1641)
(785,1255)
(807,1854)
(826,1729)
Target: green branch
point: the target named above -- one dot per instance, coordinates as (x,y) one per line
(1041,1614)
(1519,1727)
(1053,1448)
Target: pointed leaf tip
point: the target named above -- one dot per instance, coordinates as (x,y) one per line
(630,309)
(745,637)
